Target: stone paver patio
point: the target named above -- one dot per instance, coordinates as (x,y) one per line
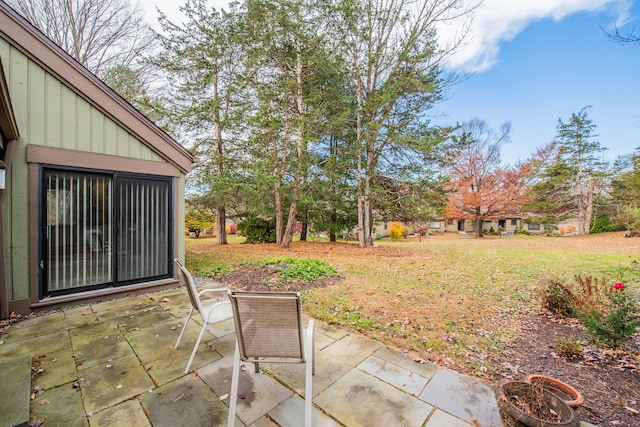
(113,364)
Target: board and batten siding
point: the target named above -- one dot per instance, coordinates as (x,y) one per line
(50,114)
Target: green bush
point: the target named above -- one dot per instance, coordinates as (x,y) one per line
(258,230)
(617,322)
(299,269)
(570,348)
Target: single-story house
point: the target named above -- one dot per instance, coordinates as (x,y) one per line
(91,191)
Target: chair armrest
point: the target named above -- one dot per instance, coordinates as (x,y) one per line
(204,291)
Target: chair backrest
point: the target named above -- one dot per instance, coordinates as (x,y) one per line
(269,325)
(191,287)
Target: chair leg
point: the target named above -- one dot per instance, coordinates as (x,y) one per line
(184,327)
(310,370)
(233,394)
(195,347)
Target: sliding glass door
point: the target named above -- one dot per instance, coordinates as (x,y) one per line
(104,230)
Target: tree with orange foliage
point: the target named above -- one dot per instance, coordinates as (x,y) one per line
(481,187)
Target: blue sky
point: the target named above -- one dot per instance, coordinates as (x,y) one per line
(533,62)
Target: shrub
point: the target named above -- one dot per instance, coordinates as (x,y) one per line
(570,348)
(396,231)
(617,321)
(299,269)
(558,299)
(258,230)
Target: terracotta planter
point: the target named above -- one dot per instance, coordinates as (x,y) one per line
(570,395)
(513,416)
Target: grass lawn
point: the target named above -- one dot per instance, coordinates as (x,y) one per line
(450,299)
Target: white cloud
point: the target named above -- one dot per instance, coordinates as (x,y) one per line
(496,21)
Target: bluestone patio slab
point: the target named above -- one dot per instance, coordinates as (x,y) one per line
(442,419)
(52,342)
(15,389)
(129,414)
(463,397)
(261,392)
(322,341)
(351,349)
(330,331)
(406,361)
(100,349)
(399,377)
(184,402)
(123,307)
(54,369)
(105,385)
(79,316)
(137,320)
(290,413)
(328,371)
(60,406)
(358,399)
(263,422)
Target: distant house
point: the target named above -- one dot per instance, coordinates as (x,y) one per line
(92,195)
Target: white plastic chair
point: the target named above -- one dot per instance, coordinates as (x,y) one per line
(269,329)
(207,312)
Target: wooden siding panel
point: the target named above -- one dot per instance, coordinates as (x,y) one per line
(53,108)
(17,74)
(97,131)
(83,124)
(134,149)
(110,138)
(68,120)
(36,104)
(17,204)
(122,142)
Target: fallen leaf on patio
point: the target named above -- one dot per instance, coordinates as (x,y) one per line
(84,313)
(43,402)
(119,386)
(38,423)
(33,396)
(243,368)
(108,366)
(224,396)
(89,414)
(241,396)
(165,300)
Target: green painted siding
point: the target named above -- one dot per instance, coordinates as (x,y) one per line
(50,114)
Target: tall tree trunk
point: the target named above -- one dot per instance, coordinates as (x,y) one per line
(221,226)
(479,223)
(588,213)
(221,220)
(278,201)
(305,226)
(359,179)
(287,236)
